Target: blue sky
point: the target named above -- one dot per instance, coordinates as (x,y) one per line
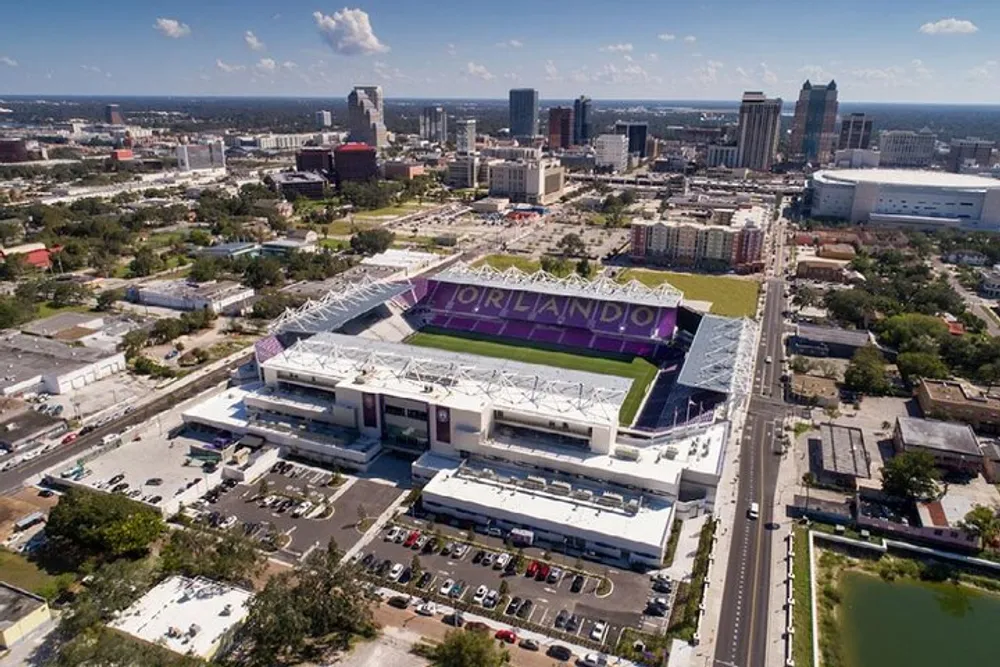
(878,50)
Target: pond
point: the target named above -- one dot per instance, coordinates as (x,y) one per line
(907,623)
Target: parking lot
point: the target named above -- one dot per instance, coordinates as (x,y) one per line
(316,526)
(554,602)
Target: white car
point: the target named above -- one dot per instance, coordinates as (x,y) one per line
(302,509)
(446,587)
(396,570)
(228,522)
(501,561)
(597,634)
(427,609)
(595,660)
(393,532)
(491,599)
(460,551)
(480,594)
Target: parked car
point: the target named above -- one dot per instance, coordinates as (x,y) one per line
(421,541)
(70,438)
(529,644)
(600,629)
(458,589)
(532,569)
(411,539)
(560,621)
(554,575)
(446,587)
(368,560)
(491,599)
(577,585)
(480,595)
(524,611)
(543,572)
(427,609)
(384,568)
(594,660)
(399,601)
(447,548)
(405,577)
(559,652)
(572,623)
(455,618)
(425,579)
(478,557)
(459,551)
(508,636)
(501,561)
(513,606)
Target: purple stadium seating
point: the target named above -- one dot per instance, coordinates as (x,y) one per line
(490,327)
(577,338)
(546,334)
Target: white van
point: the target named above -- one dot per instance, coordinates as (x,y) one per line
(754,511)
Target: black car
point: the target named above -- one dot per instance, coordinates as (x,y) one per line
(405,577)
(368,560)
(399,601)
(511,566)
(572,623)
(425,579)
(514,605)
(155,499)
(577,584)
(431,546)
(478,557)
(524,611)
(456,619)
(385,566)
(116,479)
(559,652)
(560,621)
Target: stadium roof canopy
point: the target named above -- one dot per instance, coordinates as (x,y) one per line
(453,378)
(721,355)
(601,288)
(337,308)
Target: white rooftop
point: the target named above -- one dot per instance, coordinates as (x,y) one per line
(401,258)
(178,606)
(907,177)
(602,287)
(459,380)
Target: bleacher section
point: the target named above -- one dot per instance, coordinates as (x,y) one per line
(573,312)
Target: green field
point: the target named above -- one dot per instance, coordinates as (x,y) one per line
(641,371)
(504,262)
(19,571)
(388,210)
(732,297)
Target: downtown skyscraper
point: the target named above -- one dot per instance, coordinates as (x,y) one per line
(523,112)
(434,124)
(365,122)
(815,124)
(758,131)
(582,132)
(560,127)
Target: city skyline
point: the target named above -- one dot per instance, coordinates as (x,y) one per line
(923,52)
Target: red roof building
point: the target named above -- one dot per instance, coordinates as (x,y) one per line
(34,254)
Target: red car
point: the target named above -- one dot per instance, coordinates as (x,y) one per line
(532,569)
(508,636)
(411,538)
(543,572)
(70,438)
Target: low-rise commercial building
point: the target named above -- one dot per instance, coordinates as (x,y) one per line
(989,283)
(399,170)
(294,184)
(816,341)
(33,363)
(527,181)
(954,446)
(21,613)
(823,270)
(813,390)
(317,159)
(216,296)
(957,401)
(463,172)
(843,459)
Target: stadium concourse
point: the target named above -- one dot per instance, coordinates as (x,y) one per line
(504,443)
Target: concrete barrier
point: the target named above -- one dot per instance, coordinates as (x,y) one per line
(790,600)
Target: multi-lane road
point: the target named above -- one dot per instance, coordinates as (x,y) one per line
(742,635)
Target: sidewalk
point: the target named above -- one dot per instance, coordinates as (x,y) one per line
(687,547)
(376,527)
(784,492)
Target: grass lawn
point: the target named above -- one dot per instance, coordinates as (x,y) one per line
(388,210)
(20,572)
(47,310)
(345,227)
(165,239)
(503,262)
(732,297)
(802,619)
(641,371)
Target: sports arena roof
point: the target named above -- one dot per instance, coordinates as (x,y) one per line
(429,374)
(907,177)
(337,308)
(721,355)
(602,288)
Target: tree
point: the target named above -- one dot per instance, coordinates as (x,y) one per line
(982,521)
(504,587)
(557,266)
(204,269)
(106,300)
(145,262)
(461,648)
(133,342)
(910,475)
(866,372)
(200,237)
(372,241)
(113,587)
(915,365)
(229,557)
(571,245)
(102,524)
(13,267)
(263,272)
(271,304)
(583,268)
(913,332)
(416,568)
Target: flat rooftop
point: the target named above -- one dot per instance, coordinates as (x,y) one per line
(51,326)
(23,357)
(197,612)
(505,494)
(957,392)
(943,436)
(15,604)
(462,380)
(907,177)
(842,450)
(722,346)
(185,289)
(833,335)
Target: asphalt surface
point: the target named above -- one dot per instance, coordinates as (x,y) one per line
(14,479)
(742,635)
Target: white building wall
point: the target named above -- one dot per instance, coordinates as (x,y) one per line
(611,150)
(81,377)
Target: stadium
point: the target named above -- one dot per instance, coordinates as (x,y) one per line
(590,412)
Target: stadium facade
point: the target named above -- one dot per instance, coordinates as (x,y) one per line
(501,443)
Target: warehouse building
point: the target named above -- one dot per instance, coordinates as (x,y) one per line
(216,296)
(33,363)
(954,446)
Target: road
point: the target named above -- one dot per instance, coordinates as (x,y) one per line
(12,480)
(972,300)
(742,635)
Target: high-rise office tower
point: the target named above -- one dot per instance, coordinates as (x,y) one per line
(582,133)
(636,133)
(758,131)
(814,126)
(560,127)
(970,150)
(191,157)
(113,115)
(465,136)
(434,124)
(523,112)
(365,122)
(323,119)
(856,131)
(905,148)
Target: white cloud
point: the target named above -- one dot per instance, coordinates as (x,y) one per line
(617,48)
(8,61)
(667,36)
(652,57)
(512,43)
(511,76)
(253,41)
(690,39)
(266,66)
(478,71)
(349,32)
(921,70)
(92,68)
(551,71)
(708,73)
(387,72)
(452,50)
(767,76)
(227,68)
(289,65)
(172,28)
(884,75)
(814,72)
(983,72)
(612,74)
(952,26)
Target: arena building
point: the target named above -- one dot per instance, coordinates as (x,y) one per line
(920,199)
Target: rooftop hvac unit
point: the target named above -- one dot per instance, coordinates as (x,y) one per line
(611,499)
(488,473)
(560,488)
(632,506)
(627,453)
(583,494)
(532,482)
(504,480)
(670,453)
